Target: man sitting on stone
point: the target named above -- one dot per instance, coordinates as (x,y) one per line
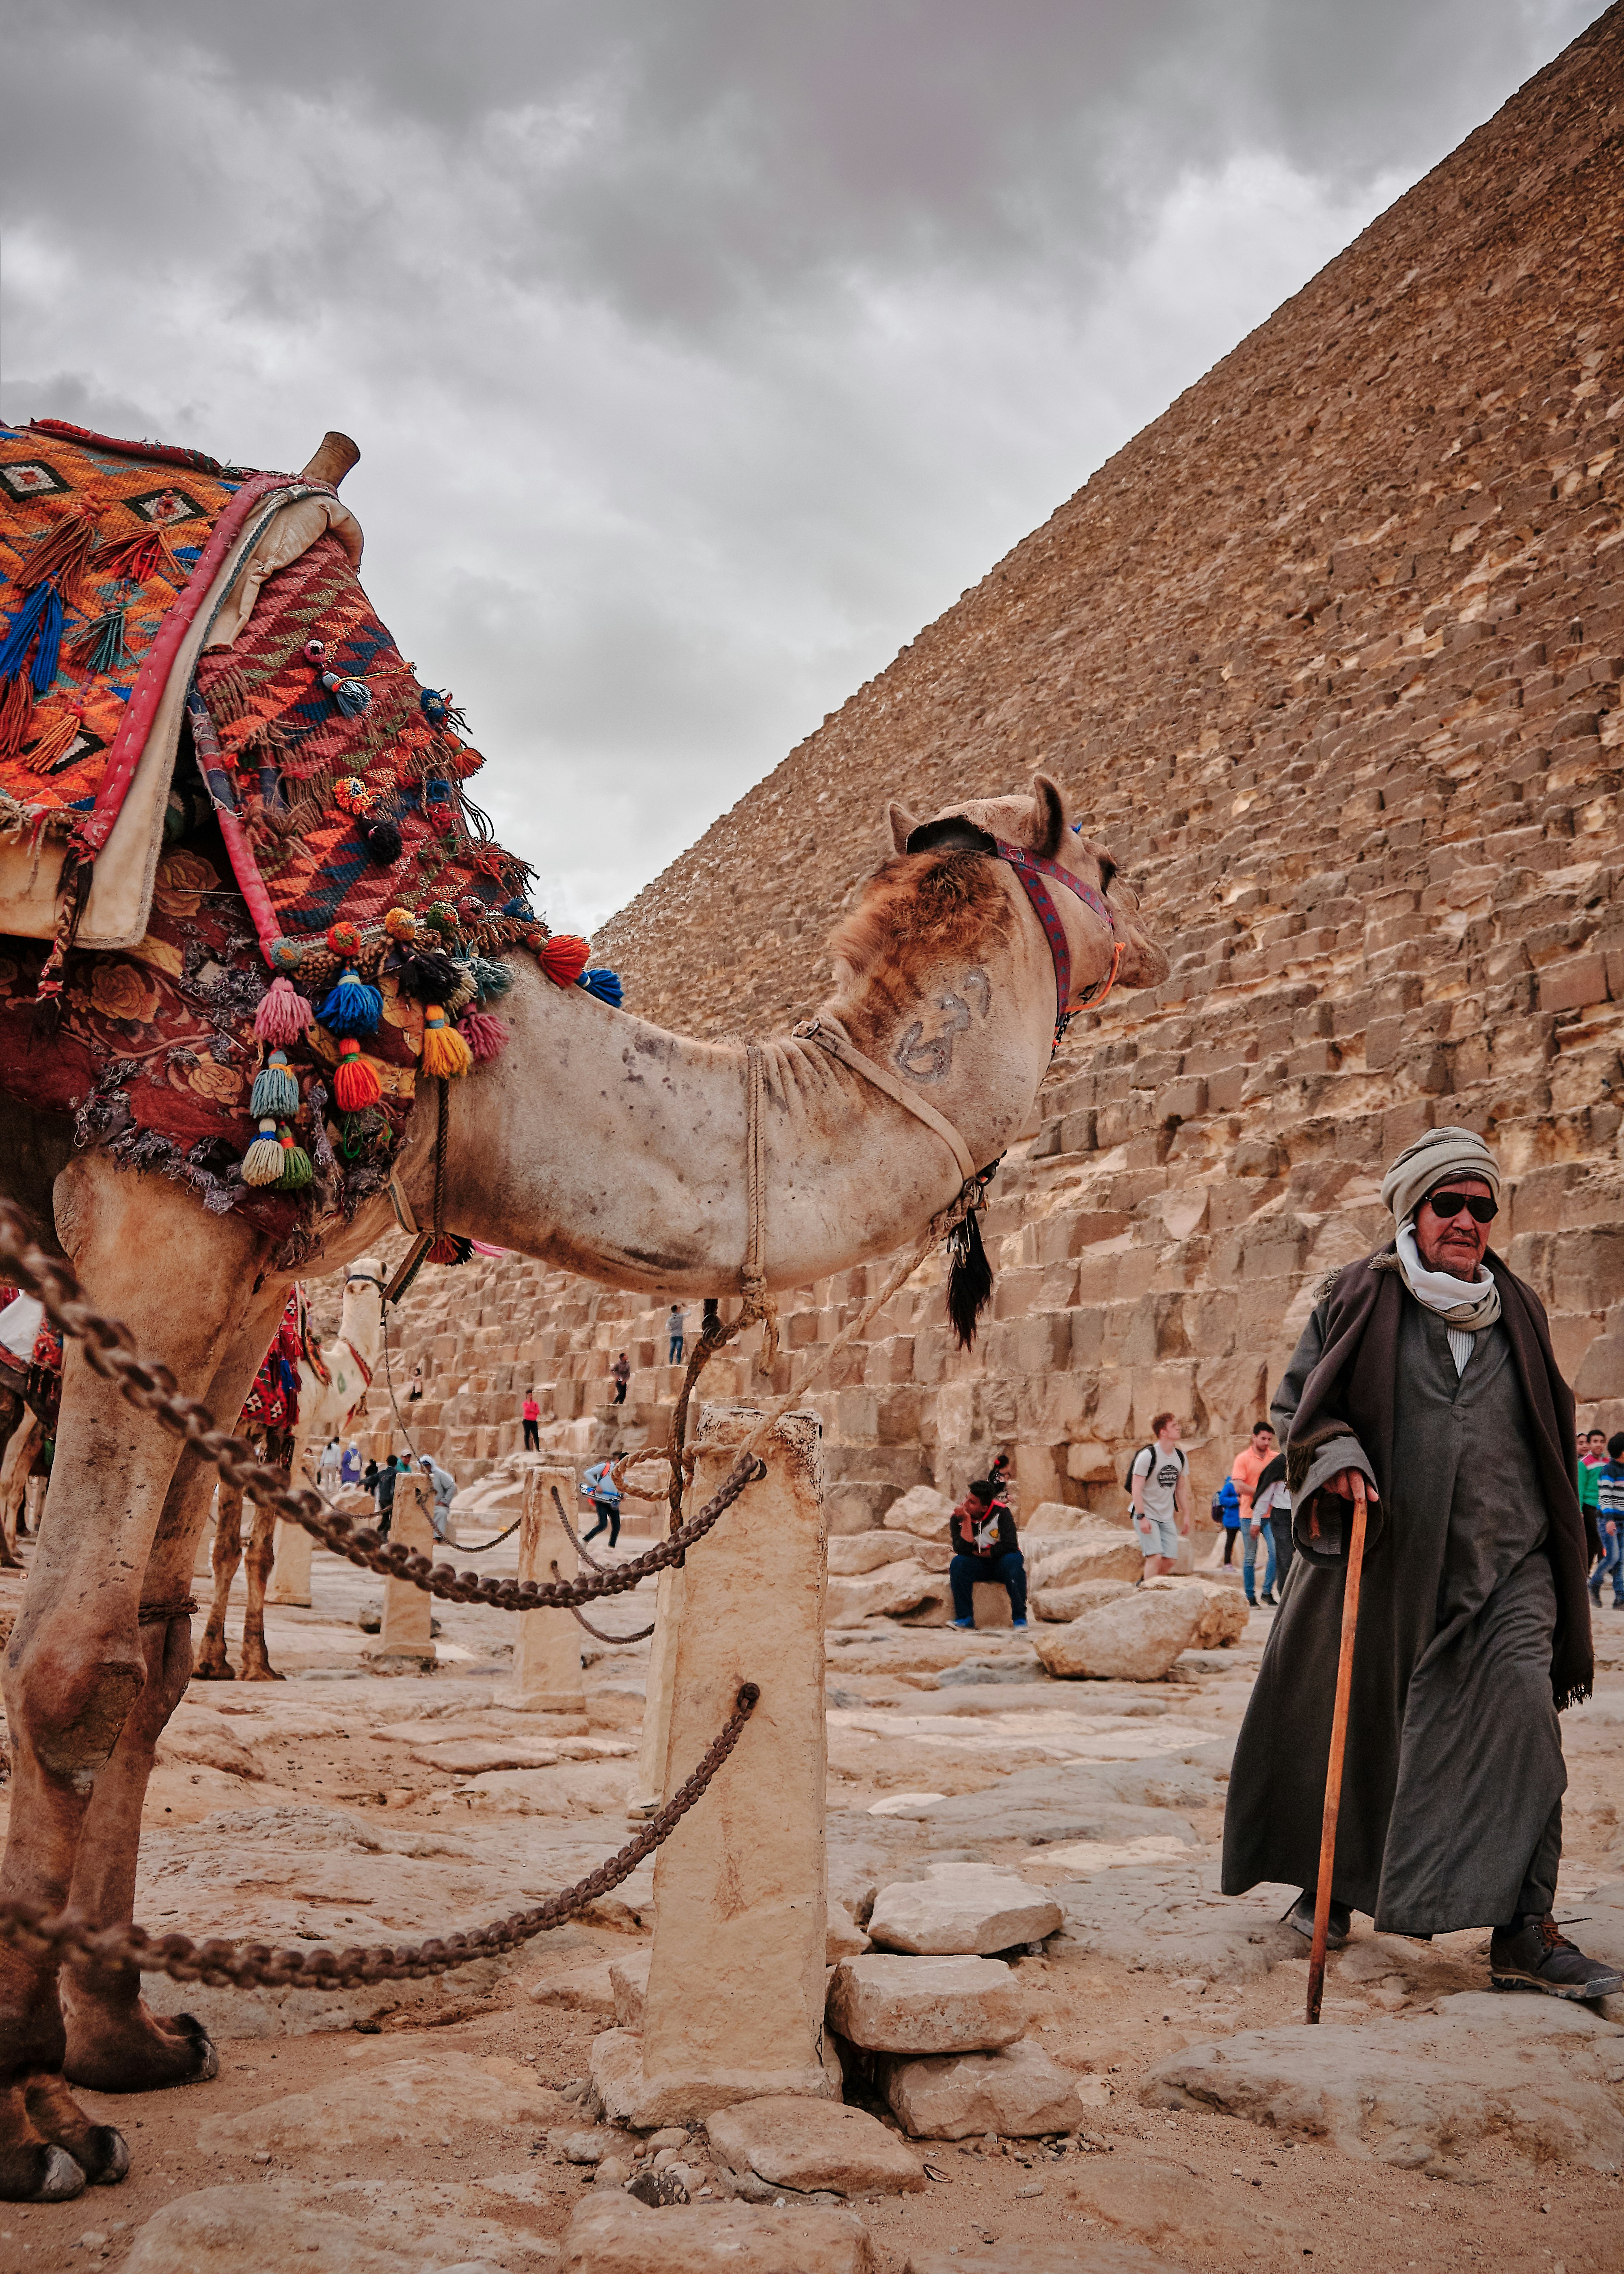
(1427,1371)
(982,1533)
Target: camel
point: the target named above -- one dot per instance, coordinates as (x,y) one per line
(24,1433)
(596,1142)
(326,1400)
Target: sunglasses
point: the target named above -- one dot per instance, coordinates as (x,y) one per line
(1449,1204)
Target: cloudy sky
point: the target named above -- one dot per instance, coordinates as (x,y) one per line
(699,350)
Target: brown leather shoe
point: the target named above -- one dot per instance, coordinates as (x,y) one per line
(1535,1954)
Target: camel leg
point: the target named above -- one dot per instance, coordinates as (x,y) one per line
(114,2041)
(212,1663)
(15,1464)
(261,1553)
(76,1664)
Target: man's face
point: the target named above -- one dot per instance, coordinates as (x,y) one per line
(1596,1446)
(1454,1243)
(1167,1434)
(1262,1441)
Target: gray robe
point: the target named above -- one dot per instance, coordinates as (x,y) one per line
(1452,1778)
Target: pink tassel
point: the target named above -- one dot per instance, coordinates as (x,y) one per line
(283,1015)
(485,1037)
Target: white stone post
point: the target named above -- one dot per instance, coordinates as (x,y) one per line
(649,1778)
(407,1610)
(735,2008)
(546,1659)
(289,1581)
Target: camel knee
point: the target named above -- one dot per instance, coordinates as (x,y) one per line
(69,1714)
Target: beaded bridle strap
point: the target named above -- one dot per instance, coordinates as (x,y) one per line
(1030,869)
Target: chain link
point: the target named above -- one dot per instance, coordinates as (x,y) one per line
(50,1937)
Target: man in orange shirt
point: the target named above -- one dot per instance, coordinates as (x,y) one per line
(1246,1468)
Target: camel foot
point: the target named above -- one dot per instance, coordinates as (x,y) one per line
(261,1670)
(213,1670)
(54,2150)
(137,2051)
(38,2172)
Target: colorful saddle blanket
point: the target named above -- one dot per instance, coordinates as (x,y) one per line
(273,1401)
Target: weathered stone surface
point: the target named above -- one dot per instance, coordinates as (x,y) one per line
(628,1980)
(1224,1609)
(1019,2093)
(1134,1638)
(1537,2073)
(842,1937)
(924,1511)
(610,2235)
(961,1909)
(1052,1518)
(1044,2258)
(926,2005)
(850,1558)
(1059,1605)
(409,2103)
(1099,1553)
(813,2145)
(631,2096)
(895,1588)
(1159,2201)
(270,2228)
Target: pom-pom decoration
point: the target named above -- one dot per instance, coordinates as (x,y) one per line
(315,650)
(353,1007)
(426,974)
(438,708)
(437,806)
(605,984)
(351,794)
(343,939)
(485,1037)
(382,839)
(520,910)
(285,954)
(297,1171)
(275,1090)
(355,1083)
(441,917)
(262,1162)
(564,957)
(284,1014)
(471,908)
(446,1056)
(401,924)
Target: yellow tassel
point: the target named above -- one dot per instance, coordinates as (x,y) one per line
(262,1163)
(445,1054)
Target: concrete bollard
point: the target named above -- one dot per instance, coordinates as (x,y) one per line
(735,2009)
(546,1659)
(289,1581)
(408,1611)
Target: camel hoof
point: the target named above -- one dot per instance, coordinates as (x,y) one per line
(61,2179)
(262,1673)
(111,2151)
(220,1673)
(203,2045)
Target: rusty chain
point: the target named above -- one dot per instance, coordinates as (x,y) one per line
(485,1546)
(151,1388)
(53,1936)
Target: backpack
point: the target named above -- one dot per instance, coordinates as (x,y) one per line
(1225,1508)
(1127,1474)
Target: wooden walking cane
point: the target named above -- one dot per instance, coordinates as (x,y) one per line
(1339,1743)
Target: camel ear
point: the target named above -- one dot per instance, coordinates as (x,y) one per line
(902,825)
(1048,827)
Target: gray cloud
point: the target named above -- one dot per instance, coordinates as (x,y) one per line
(697,354)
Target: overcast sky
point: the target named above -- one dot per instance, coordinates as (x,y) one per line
(699,351)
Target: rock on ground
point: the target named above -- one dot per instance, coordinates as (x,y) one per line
(1017,2092)
(1051,1516)
(1224,1613)
(264,2231)
(1544,2075)
(628,1980)
(961,1911)
(1136,1639)
(1098,1553)
(926,2005)
(896,1587)
(612,2234)
(408,2102)
(852,1554)
(814,2144)
(1161,2203)
(924,1511)
(1059,1604)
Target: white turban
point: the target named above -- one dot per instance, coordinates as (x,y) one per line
(1432,1161)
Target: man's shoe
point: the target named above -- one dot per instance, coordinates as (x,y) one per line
(965,1626)
(1252,1600)
(1535,1954)
(1300,1916)
(1019,1625)
(1268,1596)
(1595,1597)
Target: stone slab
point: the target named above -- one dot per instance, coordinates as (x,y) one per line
(1136,1639)
(610,2235)
(1539,2075)
(629,2096)
(923,1512)
(961,1911)
(813,2145)
(409,2104)
(1017,2092)
(270,2228)
(926,2005)
(1043,2258)
(1101,1555)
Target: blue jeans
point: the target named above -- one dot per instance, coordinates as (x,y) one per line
(1612,1560)
(965,1570)
(673,1355)
(1251,1542)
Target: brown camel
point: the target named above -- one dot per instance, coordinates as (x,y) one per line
(944,977)
(325,1405)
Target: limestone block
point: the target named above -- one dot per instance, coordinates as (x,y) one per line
(1060,1605)
(989,1604)
(610,2233)
(267,2228)
(1224,1613)
(924,1511)
(1135,1639)
(629,1982)
(407,2104)
(407,1615)
(1539,2075)
(961,1909)
(546,1664)
(1100,1552)
(926,2005)
(843,1938)
(1017,2092)
(812,2145)
(895,1587)
(866,1551)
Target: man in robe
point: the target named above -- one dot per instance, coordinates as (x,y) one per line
(1427,1370)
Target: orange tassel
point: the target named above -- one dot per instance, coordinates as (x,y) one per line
(564,957)
(355,1083)
(61,555)
(143,555)
(16,714)
(55,738)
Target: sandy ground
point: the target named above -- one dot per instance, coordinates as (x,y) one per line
(346,1804)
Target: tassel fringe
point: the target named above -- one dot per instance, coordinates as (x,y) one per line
(486,1036)
(283,1015)
(275,1090)
(446,1056)
(353,1007)
(355,1083)
(262,1162)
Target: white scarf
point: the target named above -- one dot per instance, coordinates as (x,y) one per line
(1467,1305)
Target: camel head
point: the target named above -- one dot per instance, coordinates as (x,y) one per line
(1041,824)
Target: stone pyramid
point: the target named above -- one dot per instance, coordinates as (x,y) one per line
(1330,655)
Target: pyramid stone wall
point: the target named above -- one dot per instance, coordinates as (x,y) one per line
(1330,655)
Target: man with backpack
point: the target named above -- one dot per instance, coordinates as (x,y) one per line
(599,1486)
(1158,1478)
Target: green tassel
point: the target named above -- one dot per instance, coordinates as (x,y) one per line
(262,1162)
(296,1171)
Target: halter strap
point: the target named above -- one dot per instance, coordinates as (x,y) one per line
(1030,869)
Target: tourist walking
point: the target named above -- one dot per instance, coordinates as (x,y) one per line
(599,1486)
(620,1374)
(1610,1498)
(384,1493)
(1427,1371)
(444,1486)
(531,1412)
(330,1468)
(985,1547)
(368,1482)
(675,1335)
(1159,1481)
(349,1468)
(1271,1500)
(1247,1467)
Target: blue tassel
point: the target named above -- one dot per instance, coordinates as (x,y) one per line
(41,613)
(352,695)
(520,908)
(100,647)
(352,1008)
(491,978)
(275,1092)
(605,984)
